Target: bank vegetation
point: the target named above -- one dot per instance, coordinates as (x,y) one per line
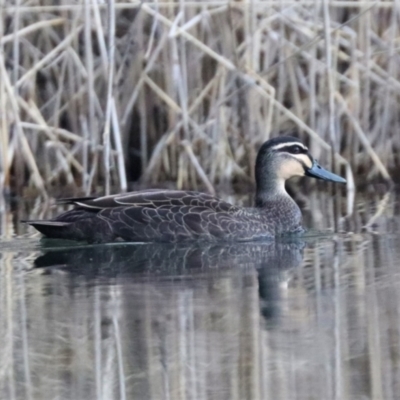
(95,96)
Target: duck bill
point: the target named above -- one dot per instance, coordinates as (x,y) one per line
(316,171)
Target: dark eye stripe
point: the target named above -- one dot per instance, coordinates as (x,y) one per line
(293,149)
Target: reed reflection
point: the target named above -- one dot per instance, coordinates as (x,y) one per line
(247,321)
(156,321)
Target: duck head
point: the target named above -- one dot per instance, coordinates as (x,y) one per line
(282,158)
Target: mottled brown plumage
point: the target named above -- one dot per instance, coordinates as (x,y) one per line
(180,216)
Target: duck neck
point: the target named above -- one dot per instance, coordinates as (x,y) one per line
(270,191)
(274,202)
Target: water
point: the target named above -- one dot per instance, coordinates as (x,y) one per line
(311,318)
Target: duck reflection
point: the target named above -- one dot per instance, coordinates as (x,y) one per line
(269,260)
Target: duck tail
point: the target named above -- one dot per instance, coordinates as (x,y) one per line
(53,229)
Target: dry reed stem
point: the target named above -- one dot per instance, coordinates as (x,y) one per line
(329,66)
(118,145)
(229,65)
(26,150)
(217,76)
(364,140)
(49,57)
(100,34)
(34,112)
(261,4)
(5,149)
(198,167)
(110,85)
(30,29)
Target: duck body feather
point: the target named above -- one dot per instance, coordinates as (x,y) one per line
(170,216)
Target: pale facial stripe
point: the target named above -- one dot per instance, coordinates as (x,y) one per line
(304,159)
(296,165)
(288,144)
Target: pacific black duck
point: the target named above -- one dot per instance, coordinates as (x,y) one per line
(178,216)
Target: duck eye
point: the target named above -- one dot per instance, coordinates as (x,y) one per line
(296,149)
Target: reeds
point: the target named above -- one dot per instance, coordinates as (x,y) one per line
(96,95)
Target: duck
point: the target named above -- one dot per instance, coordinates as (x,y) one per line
(183,216)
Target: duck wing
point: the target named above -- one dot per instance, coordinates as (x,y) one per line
(176,223)
(168,216)
(152,215)
(152,199)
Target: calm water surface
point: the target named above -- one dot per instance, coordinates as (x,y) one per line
(311,318)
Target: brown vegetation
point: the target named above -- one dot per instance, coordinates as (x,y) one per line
(97,95)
